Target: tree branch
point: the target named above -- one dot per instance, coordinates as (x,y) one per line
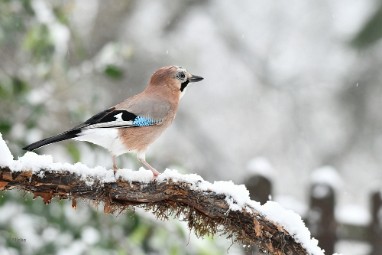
(206,211)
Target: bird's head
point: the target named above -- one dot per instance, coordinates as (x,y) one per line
(175,77)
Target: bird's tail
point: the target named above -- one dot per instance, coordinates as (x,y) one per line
(64,136)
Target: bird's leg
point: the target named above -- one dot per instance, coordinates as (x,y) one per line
(141,157)
(115,168)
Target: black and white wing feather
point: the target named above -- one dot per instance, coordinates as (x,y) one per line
(111,118)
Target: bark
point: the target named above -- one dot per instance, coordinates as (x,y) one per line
(205,211)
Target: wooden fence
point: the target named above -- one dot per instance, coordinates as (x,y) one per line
(321,220)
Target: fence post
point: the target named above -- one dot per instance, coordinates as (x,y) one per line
(259,183)
(375,228)
(260,189)
(320,218)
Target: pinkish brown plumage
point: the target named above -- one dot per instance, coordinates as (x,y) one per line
(134,124)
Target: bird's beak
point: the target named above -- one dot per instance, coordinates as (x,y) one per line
(195,78)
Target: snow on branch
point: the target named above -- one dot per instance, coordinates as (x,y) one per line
(210,208)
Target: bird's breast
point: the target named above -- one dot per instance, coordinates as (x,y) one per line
(139,138)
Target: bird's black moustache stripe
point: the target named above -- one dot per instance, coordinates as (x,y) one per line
(184,85)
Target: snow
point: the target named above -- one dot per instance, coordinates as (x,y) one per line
(8,211)
(33,162)
(26,227)
(50,234)
(142,175)
(43,13)
(5,155)
(261,166)
(292,203)
(293,223)
(326,175)
(353,247)
(321,191)
(76,217)
(178,177)
(8,251)
(90,235)
(237,196)
(59,33)
(353,214)
(74,248)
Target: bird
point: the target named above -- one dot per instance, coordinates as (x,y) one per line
(134,124)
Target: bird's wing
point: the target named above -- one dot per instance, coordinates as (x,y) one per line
(134,112)
(150,107)
(131,113)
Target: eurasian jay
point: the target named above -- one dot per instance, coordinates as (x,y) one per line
(134,124)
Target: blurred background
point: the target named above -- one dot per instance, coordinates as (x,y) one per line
(292,92)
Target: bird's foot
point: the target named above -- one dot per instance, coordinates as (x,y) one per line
(155,172)
(141,158)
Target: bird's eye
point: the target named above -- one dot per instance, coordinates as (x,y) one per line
(181,75)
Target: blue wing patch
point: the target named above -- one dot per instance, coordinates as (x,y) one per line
(140,121)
